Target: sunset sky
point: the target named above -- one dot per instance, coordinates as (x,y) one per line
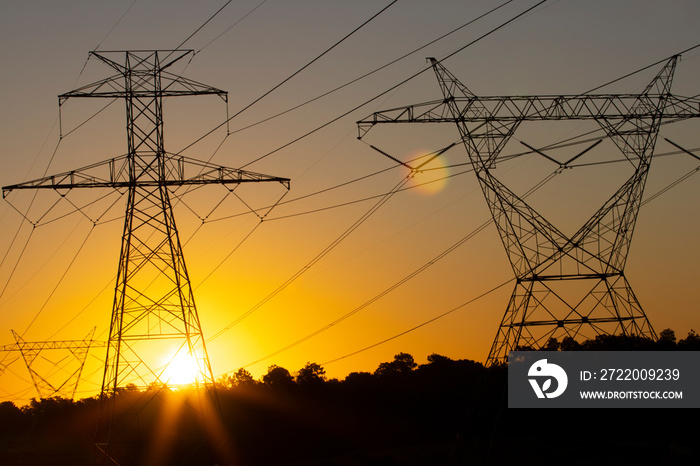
(561,47)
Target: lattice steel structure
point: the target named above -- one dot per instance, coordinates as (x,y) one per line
(30,351)
(545,261)
(154,309)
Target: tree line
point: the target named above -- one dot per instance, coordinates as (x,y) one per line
(444,411)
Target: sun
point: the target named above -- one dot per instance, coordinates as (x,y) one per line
(181,369)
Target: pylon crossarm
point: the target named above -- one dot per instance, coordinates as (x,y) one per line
(71,345)
(193,171)
(114,173)
(141,57)
(435,111)
(113,87)
(138,70)
(42,345)
(535,108)
(109,173)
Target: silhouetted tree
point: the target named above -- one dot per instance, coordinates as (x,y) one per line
(8,408)
(569,344)
(278,378)
(242,378)
(618,343)
(438,359)
(50,407)
(358,380)
(667,340)
(551,345)
(10,416)
(311,375)
(667,335)
(402,364)
(691,342)
(225,381)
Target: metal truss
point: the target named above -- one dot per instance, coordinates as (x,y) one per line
(154,312)
(30,352)
(565,285)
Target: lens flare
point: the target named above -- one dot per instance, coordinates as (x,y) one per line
(430,178)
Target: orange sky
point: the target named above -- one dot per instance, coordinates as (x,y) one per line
(566,47)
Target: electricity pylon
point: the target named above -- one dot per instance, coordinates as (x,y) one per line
(154,309)
(46,388)
(545,261)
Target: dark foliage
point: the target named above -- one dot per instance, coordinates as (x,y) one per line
(445,412)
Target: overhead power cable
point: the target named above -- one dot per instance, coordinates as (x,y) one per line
(407,278)
(556,145)
(379,296)
(204,24)
(262,217)
(396,86)
(425,266)
(376,70)
(53,155)
(113,27)
(318,57)
(423,324)
(278,85)
(317,258)
(663,60)
(232,26)
(441,256)
(564,143)
(352,228)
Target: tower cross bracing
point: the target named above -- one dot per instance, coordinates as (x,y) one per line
(154,309)
(544,260)
(50,385)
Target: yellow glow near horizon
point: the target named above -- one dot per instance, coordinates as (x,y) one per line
(181,369)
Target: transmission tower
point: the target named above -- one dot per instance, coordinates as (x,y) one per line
(154,310)
(545,261)
(30,352)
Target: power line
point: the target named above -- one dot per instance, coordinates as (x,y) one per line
(232,26)
(550,146)
(425,266)
(113,27)
(316,258)
(318,57)
(338,240)
(342,86)
(439,257)
(663,60)
(407,278)
(53,155)
(204,24)
(396,86)
(423,324)
(60,280)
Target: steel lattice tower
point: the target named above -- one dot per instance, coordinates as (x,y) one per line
(154,308)
(545,261)
(65,387)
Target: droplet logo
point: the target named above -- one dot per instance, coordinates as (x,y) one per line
(543,371)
